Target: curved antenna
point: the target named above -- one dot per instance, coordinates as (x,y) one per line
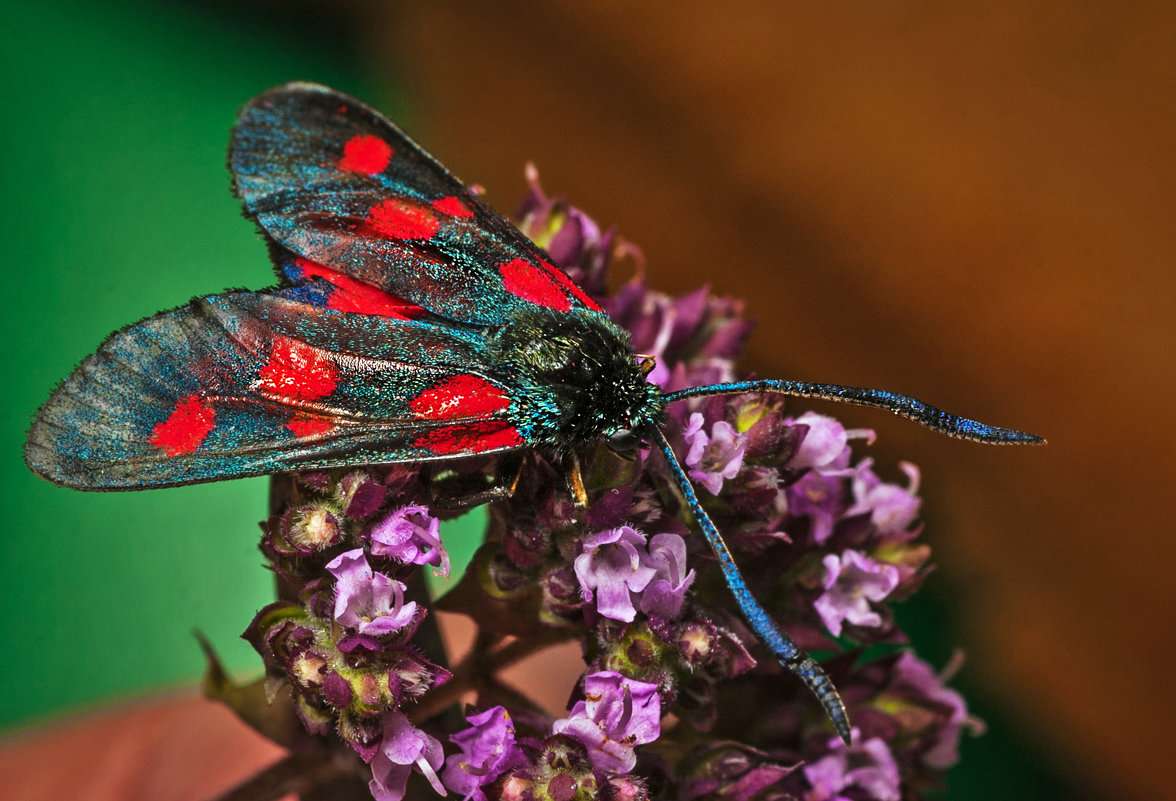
(786,651)
(902,405)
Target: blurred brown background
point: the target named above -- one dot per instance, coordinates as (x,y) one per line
(970,204)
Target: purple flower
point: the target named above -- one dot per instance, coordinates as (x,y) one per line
(852,581)
(617,715)
(696,328)
(891,508)
(791,491)
(914,678)
(731,771)
(665,594)
(824,450)
(488,750)
(411,535)
(369,602)
(819,498)
(657,323)
(868,766)
(572,238)
(826,443)
(403,748)
(713,458)
(612,565)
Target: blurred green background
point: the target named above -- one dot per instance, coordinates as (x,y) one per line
(116,204)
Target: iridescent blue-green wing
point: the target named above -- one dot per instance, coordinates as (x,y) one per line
(245,384)
(334,182)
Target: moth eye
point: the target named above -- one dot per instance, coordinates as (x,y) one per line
(623,442)
(647,363)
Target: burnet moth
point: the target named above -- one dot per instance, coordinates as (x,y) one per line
(411,323)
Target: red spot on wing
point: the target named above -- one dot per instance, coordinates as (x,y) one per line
(459,396)
(297,371)
(569,285)
(403,219)
(351,295)
(186,428)
(306,426)
(470,438)
(452,207)
(365,154)
(523,279)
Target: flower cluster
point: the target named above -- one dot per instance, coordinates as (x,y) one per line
(677,698)
(342,641)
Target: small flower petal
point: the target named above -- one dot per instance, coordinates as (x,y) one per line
(892,508)
(666,593)
(403,749)
(851,582)
(611,566)
(367,601)
(618,713)
(411,535)
(488,750)
(868,766)
(713,458)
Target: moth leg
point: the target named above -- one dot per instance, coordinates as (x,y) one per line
(576,485)
(455,492)
(464,502)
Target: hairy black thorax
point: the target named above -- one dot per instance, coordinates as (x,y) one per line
(577,377)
